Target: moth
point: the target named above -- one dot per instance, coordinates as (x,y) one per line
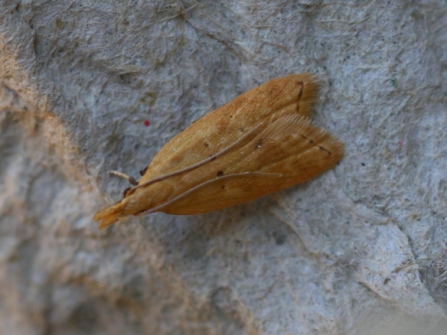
(261,142)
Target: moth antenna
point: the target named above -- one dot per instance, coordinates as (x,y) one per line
(130,179)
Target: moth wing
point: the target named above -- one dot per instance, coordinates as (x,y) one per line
(294,94)
(289,151)
(294,147)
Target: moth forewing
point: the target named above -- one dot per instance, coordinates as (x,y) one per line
(293,151)
(293,94)
(259,143)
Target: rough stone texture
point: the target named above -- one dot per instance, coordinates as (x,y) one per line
(359,246)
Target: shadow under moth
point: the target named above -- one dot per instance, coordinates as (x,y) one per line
(259,143)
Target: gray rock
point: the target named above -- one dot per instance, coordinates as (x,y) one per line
(360,246)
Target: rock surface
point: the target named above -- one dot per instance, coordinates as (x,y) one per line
(338,255)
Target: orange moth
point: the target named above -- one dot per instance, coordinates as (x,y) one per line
(261,142)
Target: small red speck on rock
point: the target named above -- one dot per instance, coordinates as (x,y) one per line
(147,123)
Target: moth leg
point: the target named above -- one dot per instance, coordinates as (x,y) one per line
(130,179)
(142,172)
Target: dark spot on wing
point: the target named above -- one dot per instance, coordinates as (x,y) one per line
(300,83)
(313,143)
(220,173)
(307,139)
(259,144)
(324,149)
